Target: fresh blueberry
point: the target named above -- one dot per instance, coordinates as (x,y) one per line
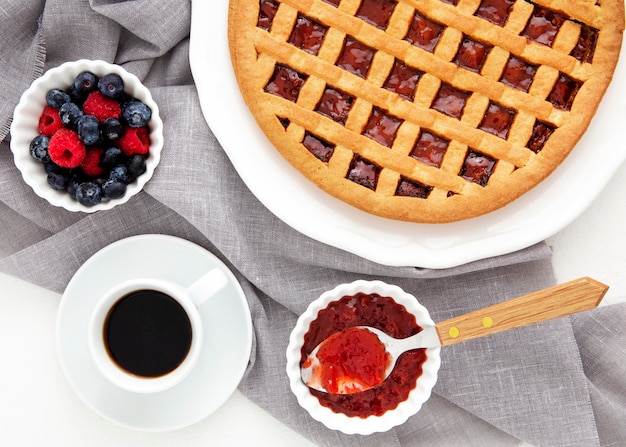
(53,167)
(85,82)
(88,194)
(111,85)
(120,173)
(136,166)
(72,186)
(69,114)
(111,156)
(39,148)
(56,98)
(100,181)
(87,129)
(136,113)
(58,180)
(113,189)
(112,129)
(75,96)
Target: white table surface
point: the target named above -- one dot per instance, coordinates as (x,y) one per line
(38,407)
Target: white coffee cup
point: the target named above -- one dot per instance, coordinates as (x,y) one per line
(190,299)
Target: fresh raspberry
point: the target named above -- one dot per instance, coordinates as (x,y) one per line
(135,141)
(49,121)
(101,107)
(91,162)
(65,149)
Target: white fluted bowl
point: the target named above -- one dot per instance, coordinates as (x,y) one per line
(25,127)
(371,424)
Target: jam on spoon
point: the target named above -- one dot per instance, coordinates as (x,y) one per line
(349,361)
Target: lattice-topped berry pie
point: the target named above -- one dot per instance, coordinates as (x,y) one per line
(425,110)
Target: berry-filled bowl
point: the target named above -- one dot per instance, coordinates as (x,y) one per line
(379,408)
(86,135)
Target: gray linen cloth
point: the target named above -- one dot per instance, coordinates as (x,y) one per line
(559,383)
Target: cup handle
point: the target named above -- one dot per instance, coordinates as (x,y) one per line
(206,286)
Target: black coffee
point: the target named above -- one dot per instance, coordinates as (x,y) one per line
(147,333)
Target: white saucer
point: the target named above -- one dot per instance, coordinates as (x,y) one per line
(226,347)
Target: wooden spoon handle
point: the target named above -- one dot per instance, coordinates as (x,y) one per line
(554,302)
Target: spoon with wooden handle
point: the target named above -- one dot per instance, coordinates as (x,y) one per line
(323,372)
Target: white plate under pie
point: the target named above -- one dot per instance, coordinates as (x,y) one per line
(225,351)
(537,215)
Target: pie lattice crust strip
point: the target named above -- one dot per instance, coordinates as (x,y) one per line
(424,110)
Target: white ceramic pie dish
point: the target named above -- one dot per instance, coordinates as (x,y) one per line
(370,424)
(26,119)
(537,215)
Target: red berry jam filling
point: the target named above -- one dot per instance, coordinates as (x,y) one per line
(543,26)
(564,91)
(402,80)
(495,11)
(285,122)
(307,34)
(477,167)
(355,57)
(267,11)
(586,45)
(382,127)
(286,82)
(450,100)
(335,105)
(518,74)
(451,2)
(410,188)
(497,120)
(430,149)
(424,33)
(333,2)
(363,172)
(471,54)
(376,12)
(539,137)
(382,313)
(322,149)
